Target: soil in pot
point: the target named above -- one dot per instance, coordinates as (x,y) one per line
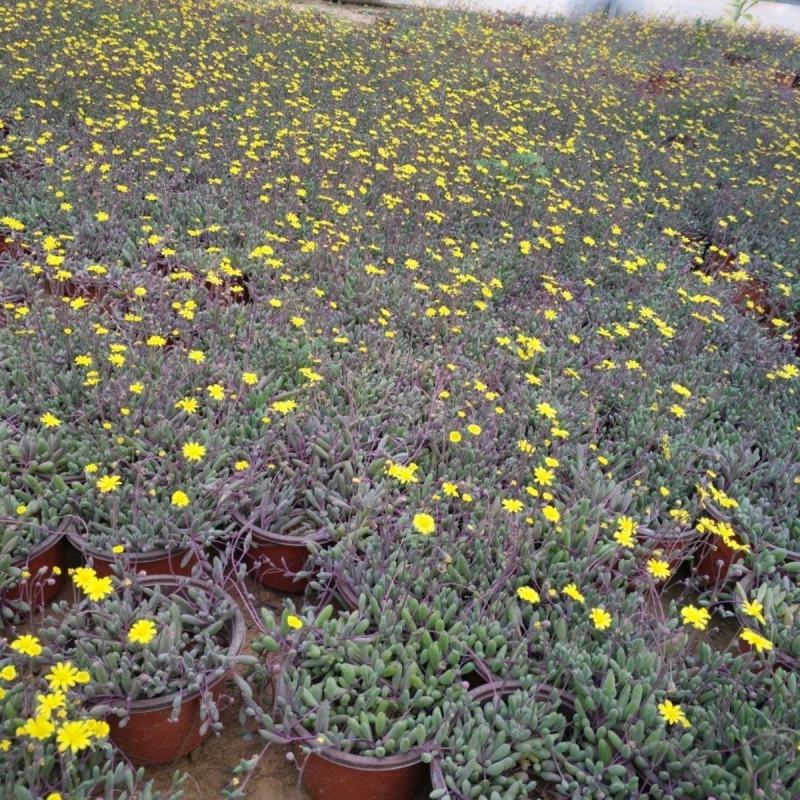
(45,564)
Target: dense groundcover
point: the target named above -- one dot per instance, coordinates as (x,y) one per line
(499,318)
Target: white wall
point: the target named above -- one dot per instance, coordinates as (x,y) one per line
(766,14)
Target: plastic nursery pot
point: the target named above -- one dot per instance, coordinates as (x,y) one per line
(675,547)
(713,559)
(149,737)
(330,774)
(179,562)
(43,584)
(275,560)
(481,695)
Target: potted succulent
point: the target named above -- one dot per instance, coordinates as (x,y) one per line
(159,650)
(311,490)
(51,746)
(499,744)
(361,709)
(140,520)
(33,508)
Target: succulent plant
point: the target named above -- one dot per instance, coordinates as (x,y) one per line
(53,747)
(374,694)
(147,640)
(498,744)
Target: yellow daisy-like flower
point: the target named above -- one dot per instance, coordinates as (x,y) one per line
(696,617)
(755,639)
(673,714)
(424,524)
(284,406)
(294,622)
(571,590)
(108,483)
(74,736)
(8,673)
(40,727)
(659,569)
(512,506)
(601,619)
(49,420)
(528,594)
(475,430)
(64,675)
(250,378)
(142,631)
(179,498)
(27,645)
(755,609)
(454,437)
(193,451)
(98,588)
(551,514)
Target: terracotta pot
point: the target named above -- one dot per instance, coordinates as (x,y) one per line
(154,562)
(149,737)
(329,774)
(713,559)
(43,585)
(675,548)
(275,560)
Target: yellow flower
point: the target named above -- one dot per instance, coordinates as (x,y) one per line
(454,437)
(543,476)
(512,506)
(179,498)
(216,391)
(108,483)
(424,524)
(197,356)
(118,548)
(551,514)
(46,704)
(756,640)
(673,714)
(601,619)
(49,420)
(242,465)
(659,569)
(402,473)
(98,588)
(39,727)
(528,594)
(754,609)
(187,404)
(294,622)
(193,451)
(74,736)
(8,673)
(64,675)
(546,410)
(27,645)
(626,528)
(97,728)
(571,590)
(475,430)
(283,406)
(696,617)
(142,631)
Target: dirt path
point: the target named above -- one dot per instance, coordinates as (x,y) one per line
(345,14)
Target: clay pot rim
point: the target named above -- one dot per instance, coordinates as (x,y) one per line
(80,543)
(43,546)
(268,537)
(350,760)
(237,627)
